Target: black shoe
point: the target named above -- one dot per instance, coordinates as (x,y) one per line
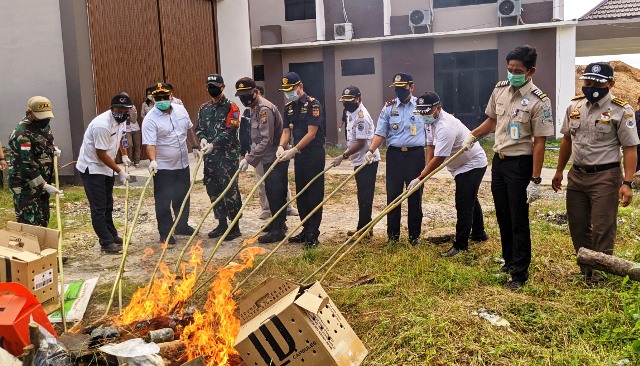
(118,240)
(187,230)
(451,252)
(218,231)
(64,259)
(272,237)
(480,238)
(593,279)
(515,285)
(505,268)
(234,233)
(300,238)
(393,238)
(171,240)
(111,248)
(415,241)
(311,242)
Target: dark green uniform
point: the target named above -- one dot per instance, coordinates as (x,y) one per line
(218,123)
(31,165)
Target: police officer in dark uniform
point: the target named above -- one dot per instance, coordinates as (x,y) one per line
(405,136)
(304,119)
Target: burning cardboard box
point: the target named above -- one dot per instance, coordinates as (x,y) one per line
(286,324)
(28,255)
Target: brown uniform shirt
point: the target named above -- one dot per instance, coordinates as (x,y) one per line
(266,129)
(598,130)
(521,115)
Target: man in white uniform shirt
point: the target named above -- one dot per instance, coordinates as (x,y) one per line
(445,135)
(165,130)
(360,131)
(96,165)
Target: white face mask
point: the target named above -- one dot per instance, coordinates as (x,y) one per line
(292,95)
(428,119)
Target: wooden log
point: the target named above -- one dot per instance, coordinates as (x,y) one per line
(34,336)
(28,356)
(174,350)
(195,362)
(609,263)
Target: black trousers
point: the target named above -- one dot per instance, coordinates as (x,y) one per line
(308,164)
(509,180)
(169,189)
(366,184)
(99,190)
(402,168)
(469,211)
(275,186)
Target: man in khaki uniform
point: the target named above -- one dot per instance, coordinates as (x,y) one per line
(595,126)
(520,114)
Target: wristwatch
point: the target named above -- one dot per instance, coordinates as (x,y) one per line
(344,155)
(536,180)
(627,183)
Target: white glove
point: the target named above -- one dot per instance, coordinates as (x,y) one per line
(339,129)
(244,165)
(279,152)
(369,157)
(413,183)
(51,189)
(196,154)
(337,161)
(125,160)
(56,151)
(289,154)
(123,176)
(468,142)
(153,167)
(205,146)
(533,192)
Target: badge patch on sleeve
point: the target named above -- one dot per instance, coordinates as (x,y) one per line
(631,123)
(263,117)
(232,119)
(315,111)
(25,147)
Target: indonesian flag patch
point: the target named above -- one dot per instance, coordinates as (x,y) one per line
(25,146)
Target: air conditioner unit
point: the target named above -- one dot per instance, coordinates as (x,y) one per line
(509,8)
(343,31)
(420,18)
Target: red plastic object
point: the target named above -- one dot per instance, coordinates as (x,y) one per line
(17,306)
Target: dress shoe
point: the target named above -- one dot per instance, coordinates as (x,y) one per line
(515,285)
(64,259)
(593,279)
(265,215)
(480,238)
(505,268)
(393,238)
(311,242)
(218,231)
(187,230)
(111,248)
(234,233)
(451,252)
(414,241)
(272,237)
(292,211)
(171,240)
(117,240)
(300,238)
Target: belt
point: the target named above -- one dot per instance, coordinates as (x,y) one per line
(596,168)
(405,148)
(502,156)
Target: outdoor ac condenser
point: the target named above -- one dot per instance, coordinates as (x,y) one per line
(509,8)
(420,18)
(343,31)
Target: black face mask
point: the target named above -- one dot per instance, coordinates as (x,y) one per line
(402,94)
(40,123)
(214,91)
(594,94)
(350,107)
(120,117)
(248,100)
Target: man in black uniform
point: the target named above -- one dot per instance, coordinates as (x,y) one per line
(303,115)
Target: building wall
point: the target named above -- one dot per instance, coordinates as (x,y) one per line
(269,13)
(461,44)
(366,17)
(32,63)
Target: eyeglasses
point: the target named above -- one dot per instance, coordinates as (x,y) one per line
(161,97)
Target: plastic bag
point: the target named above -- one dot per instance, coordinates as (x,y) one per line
(135,352)
(51,352)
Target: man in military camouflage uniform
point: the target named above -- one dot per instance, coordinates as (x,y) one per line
(32,151)
(217,129)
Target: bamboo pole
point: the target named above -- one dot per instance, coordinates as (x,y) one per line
(286,238)
(125,247)
(60,265)
(175,223)
(126,230)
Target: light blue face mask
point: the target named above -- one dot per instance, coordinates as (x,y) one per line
(428,119)
(516,80)
(292,95)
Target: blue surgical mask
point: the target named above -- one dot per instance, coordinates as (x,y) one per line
(402,93)
(292,95)
(163,105)
(516,80)
(428,119)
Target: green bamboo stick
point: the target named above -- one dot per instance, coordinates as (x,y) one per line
(60,266)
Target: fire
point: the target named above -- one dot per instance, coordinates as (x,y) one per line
(213,331)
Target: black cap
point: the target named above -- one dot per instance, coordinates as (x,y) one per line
(600,72)
(121,100)
(350,93)
(160,89)
(245,86)
(400,80)
(215,79)
(289,81)
(426,102)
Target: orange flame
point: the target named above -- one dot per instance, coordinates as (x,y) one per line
(213,331)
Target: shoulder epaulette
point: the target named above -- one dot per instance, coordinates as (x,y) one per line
(620,102)
(538,93)
(311,99)
(390,102)
(288,104)
(578,96)
(502,83)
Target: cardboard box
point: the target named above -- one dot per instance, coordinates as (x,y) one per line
(286,324)
(28,255)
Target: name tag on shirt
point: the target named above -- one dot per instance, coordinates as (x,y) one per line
(514,131)
(413,130)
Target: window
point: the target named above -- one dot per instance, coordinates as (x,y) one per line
(258,72)
(299,9)
(358,66)
(452,3)
(464,81)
